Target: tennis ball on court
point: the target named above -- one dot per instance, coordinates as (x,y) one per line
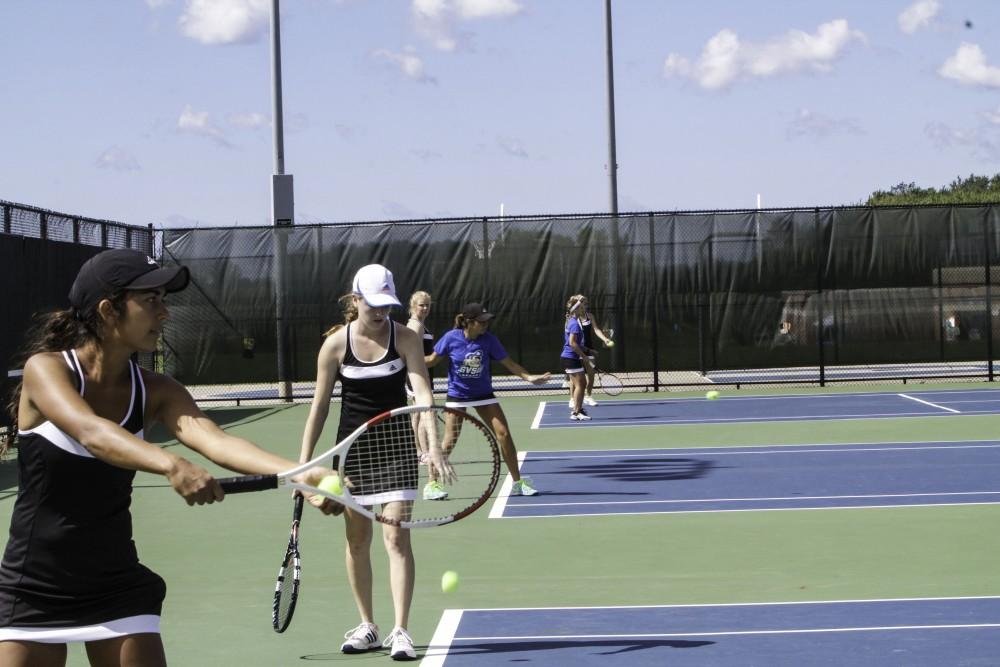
(711,395)
(331,484)
(449,581)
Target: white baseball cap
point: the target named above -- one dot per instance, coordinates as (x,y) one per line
(374,284)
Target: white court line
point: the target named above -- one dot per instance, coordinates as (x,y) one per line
(756,509)
(729,396)
(653,421)
(733,633)
(538,415)
(444,636)
(640,451)
(783,603)
(933,405)
(747,500)
(711,451)
(500,504)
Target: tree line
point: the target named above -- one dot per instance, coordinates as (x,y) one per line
(972,190)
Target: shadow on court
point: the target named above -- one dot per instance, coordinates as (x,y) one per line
(608,647)
(651,469)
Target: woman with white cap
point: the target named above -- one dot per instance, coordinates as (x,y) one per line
(373,357)
(70,570)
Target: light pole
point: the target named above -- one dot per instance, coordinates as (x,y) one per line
(617,353)
(282,212)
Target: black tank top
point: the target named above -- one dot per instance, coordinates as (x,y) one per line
(70,559)
(370,387)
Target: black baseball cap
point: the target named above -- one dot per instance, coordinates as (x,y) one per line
(475,311)
(123,269)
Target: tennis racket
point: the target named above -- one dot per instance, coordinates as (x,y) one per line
(381,463)
(609,383)
(286,590)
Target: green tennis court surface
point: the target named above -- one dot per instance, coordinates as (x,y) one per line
(220,561)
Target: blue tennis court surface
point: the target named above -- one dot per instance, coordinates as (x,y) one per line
(791,407)
(729,479)
(869,633)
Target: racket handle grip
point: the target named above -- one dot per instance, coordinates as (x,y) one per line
(246,483)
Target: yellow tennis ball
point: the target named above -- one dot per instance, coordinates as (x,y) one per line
(449,581)
(611,343)
(331,484)
(711,395)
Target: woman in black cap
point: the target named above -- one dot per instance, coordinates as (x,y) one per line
(70,571)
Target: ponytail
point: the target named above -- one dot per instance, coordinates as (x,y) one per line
(350,309)
(54,332)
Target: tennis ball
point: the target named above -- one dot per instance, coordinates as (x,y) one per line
(449,581)
(331,484)
(610,343)
(711,395)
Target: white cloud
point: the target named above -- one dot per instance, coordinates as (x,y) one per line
(410,64)
(809,123)
(435,19)
(200,123)
(725,59)
(918,15)
(992,117)
(981,144)
(248,121)
(969,67)
(117,159)
(486,9)
(225,21)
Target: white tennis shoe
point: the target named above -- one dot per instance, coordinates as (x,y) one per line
(400,645)
(360,639)
(589,400)
(523,487)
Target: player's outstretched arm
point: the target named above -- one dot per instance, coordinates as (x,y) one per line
(519,371)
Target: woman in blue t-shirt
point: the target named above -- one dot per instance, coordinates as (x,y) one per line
(470,347)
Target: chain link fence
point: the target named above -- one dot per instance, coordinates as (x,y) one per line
(777,296)
(40,252)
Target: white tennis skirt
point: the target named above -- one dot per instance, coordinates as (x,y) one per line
(132,625)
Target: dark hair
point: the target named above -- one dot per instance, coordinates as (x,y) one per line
(54,332)
(460,321)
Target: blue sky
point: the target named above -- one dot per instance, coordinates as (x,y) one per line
(159,111)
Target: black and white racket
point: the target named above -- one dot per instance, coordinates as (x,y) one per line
(381,463)
(286,590)
(609,383)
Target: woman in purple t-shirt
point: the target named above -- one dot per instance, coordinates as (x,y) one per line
(470,347)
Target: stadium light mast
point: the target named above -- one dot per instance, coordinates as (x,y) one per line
(612,150)
(282,211)
(614,287)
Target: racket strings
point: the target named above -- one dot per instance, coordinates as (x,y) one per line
(392,461)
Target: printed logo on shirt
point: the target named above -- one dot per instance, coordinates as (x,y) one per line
(472,365)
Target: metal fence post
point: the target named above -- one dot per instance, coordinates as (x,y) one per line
(653,282)
(988,237)
(820,247)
